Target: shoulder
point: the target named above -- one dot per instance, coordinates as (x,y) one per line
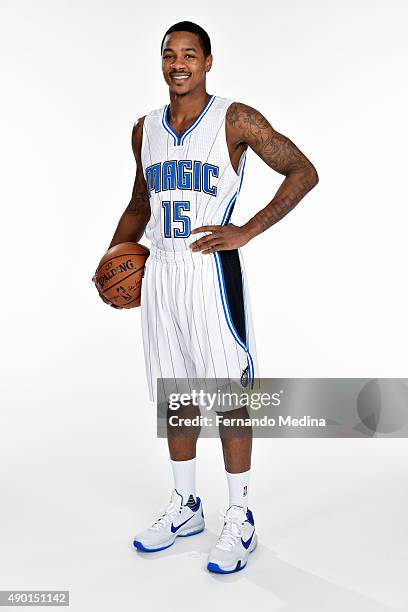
(137,130)
(245,124)
(137,136)
(141,125)
(239,114)
(154,115)
(151,120)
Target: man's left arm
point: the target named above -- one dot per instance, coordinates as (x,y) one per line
(246,126)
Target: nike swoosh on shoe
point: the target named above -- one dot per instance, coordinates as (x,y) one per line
(176,528)
(247,543)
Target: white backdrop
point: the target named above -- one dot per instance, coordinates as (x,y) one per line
(327,284)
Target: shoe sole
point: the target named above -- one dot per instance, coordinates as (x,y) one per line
(216,569)
(142,548)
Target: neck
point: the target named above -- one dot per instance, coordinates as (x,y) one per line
(187,105)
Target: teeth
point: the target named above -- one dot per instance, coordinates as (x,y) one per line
(182,76)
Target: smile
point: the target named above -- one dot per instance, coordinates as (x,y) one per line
(180,77)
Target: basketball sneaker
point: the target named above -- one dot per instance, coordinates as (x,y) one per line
(236,542)
(179,519)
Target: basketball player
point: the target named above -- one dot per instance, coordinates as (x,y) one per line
(196,317)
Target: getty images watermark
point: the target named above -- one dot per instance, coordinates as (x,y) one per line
(217,399)
(220,404)
(284,407)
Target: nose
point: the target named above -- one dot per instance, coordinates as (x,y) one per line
(178,63)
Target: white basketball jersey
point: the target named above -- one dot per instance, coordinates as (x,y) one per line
(196,315)
(190,178)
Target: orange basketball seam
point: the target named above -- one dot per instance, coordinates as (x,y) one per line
(123,279)
(116,257)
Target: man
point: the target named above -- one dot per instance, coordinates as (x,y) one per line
(196,317)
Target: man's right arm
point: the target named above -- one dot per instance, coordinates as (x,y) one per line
(137,214)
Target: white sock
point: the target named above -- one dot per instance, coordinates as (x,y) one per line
(184,477)
(238,485)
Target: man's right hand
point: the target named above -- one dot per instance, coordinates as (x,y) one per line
(103,298)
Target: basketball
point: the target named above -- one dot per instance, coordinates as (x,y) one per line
(118,277)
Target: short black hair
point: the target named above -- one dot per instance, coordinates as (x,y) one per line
(189,26)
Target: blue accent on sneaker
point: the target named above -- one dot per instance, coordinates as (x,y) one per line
(192,503)
(193,508)
(175,529)
(248,542)
(140,546)
(215,568)
(250,517)
(198,504)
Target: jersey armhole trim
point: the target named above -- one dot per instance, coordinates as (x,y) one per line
(242,159)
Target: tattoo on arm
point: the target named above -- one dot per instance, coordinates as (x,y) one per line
(139,202)
(140,197)
(292,190)
(249,126)
(134,219)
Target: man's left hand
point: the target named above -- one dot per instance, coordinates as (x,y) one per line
(222,238)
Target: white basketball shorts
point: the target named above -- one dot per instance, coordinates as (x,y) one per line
(196,320)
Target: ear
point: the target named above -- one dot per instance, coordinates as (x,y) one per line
(208,63)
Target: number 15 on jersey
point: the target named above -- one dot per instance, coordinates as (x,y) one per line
(173,214)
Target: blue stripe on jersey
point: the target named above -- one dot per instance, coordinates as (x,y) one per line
(179,140)
(246,327)
(225,221)
(226,217)
(167,127)
(228,317)
(231,203)
(197,121)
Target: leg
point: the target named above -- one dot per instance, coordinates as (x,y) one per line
(237,449)
(184,515)
(182,441)
(238,537)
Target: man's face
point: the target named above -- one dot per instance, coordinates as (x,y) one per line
(184,64)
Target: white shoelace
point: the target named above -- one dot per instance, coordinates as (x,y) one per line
(231,533)
(167,515)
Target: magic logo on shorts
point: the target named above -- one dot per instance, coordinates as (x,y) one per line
(244,377)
